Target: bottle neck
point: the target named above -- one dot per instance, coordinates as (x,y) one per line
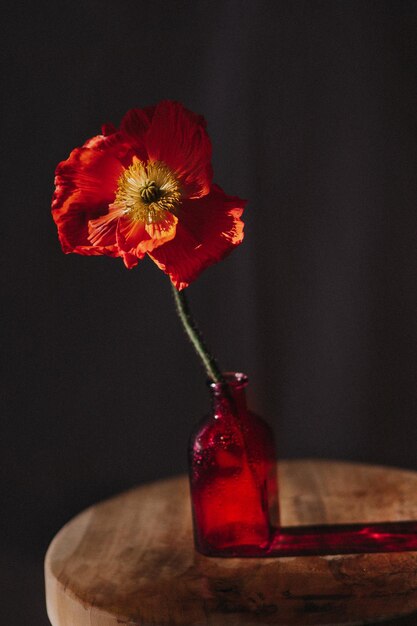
(230,397)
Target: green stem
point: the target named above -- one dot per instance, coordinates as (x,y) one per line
(194,335)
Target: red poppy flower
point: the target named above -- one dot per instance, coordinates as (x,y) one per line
(147,189)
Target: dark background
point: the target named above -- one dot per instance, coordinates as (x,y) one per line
(311,107)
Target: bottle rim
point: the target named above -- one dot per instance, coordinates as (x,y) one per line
(235,380)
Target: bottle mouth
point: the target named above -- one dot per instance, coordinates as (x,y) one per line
(234,380)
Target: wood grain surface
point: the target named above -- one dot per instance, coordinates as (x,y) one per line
(130,560)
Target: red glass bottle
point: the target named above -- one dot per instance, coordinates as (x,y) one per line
(233,481)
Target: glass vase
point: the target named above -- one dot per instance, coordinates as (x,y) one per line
(233,483)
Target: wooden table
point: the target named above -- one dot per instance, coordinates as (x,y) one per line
(130,560)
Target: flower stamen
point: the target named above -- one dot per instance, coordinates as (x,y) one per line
(150,192)
(145,191)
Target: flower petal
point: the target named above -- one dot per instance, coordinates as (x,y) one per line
(102,230)
(108,129)
(178,138)
(132,240)
(115,144)
(208,229)
(163,230)
(135,124)
(86,184)
(135,238)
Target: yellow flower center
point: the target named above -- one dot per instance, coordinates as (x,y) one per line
(147,191)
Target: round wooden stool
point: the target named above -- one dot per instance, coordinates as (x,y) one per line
(131,561)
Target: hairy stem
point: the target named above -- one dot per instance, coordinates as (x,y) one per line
(190,326)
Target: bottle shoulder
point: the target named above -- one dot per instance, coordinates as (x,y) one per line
(210,425)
